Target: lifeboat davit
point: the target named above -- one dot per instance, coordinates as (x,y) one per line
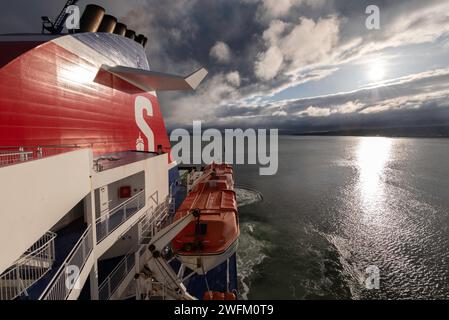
(212,237)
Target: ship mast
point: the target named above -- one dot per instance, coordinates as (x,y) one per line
(58,25)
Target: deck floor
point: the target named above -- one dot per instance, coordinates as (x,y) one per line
(118,159)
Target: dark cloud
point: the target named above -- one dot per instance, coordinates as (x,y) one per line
(266,46)
(24,16)
(311,42)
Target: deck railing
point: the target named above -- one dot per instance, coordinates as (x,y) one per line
(109,222)
(153,220)
(14,155)
(157,219)
(29,269)
(10,155)
(115,279)
(66,279)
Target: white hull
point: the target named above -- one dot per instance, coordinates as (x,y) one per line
(202,264)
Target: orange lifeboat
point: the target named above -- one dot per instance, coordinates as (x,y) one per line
(211,295)
(211,238)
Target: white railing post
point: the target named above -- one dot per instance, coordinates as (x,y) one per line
(109,286)
(83,245)
(50,255)
(30,268)
(17,282)
(65,288)
(107,227)
(126,264)
(22,155)
(139,230)
(137,261)
(57,289)
(121,212)
(53,249)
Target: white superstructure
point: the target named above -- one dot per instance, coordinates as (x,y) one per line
(68,221)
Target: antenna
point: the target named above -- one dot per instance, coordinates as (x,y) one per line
(58,25)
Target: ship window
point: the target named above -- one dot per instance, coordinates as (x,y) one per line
(201,229)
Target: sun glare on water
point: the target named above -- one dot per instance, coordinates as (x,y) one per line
(373,155)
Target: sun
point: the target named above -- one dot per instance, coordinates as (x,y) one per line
(376,71)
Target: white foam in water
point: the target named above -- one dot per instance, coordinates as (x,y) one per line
(249,255)
(247,196)
(354,276)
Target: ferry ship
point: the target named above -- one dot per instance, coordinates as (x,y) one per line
(92,204)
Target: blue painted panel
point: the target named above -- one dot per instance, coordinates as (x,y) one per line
(179,191)
(216,280)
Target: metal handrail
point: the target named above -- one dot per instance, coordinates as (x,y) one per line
(81,145)
(160,213)
(38,245)
(151,216)
(14,155)
(43,146)
(29,268)
(108,283)
(105,220)
(58,289)
(119,206)
(19,154)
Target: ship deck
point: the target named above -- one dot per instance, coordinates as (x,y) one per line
(118,159)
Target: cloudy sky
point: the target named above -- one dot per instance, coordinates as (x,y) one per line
(302,65)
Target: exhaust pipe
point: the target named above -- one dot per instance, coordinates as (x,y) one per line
(107,24)
(140,39)
(120,29)
(94,19)
(91,18)
(130,34)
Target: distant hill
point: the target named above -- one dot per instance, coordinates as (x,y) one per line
(415,132)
